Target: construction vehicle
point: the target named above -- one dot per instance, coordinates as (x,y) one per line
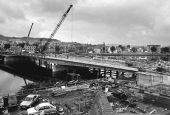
(27,42)
(56,29)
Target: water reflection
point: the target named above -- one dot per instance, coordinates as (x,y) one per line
(10,83)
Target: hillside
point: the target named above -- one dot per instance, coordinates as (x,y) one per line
(6,38)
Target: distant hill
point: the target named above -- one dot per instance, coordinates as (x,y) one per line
(6,38)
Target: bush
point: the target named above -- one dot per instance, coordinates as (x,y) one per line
(160,69)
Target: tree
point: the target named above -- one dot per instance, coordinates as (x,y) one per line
(164,58)
(121,47)
(79,48)
(134,49)
(57,49)
(112,49)
(128,46)
(7,46)
(42,49)
(165,50)
(160,69)
(104,49)
(153,49)
(21,45)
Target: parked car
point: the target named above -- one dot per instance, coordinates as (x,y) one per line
(29,101)
(41,109)
(12,100)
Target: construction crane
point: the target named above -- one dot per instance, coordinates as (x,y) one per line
(30,30)
(60,22)
(27,40)
(56,28)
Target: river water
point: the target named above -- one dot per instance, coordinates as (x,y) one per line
(10,83)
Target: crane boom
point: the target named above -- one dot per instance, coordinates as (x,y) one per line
(55,29)
(27,40)
(30,30)
(60,22)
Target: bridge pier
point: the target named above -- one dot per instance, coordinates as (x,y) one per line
(135,76)
(110,71)
(39,62)
(105,72)
(45,63)
(99,73)
(51,66)
(48,65)
(117,74)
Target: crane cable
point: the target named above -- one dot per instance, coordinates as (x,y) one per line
(72,19)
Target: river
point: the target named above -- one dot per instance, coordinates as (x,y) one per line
(10,83)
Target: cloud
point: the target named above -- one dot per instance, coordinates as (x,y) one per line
(139,22)
(54,6)
(2,20)
(10,10)
(48,8)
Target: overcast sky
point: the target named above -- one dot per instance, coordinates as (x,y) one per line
(134,22)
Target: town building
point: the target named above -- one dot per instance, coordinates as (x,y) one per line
(157,48)
(15,49)
(30,48)
(97,50)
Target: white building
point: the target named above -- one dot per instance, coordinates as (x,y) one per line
(97,50)
(30,48)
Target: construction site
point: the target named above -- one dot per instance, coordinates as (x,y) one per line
(99,97)
(138,93)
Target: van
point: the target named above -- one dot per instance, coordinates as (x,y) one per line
(12,100)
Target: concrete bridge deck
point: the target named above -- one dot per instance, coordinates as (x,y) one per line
(81,62)
(75,61)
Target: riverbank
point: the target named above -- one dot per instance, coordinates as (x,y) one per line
(28,72)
